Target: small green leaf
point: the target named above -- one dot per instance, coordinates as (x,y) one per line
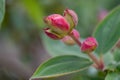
(112,76)
(61,65)
(2,10)
(116,55)
(108,58)
(108,31)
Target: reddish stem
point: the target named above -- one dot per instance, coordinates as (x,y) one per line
(76,40)
(102,65)
(99,64)
(94,58)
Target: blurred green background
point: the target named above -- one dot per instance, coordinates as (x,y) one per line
(23,45)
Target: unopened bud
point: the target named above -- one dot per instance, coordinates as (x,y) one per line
(71,17)
(57,23)
(75,33)
(52,34)
(68,40)
(89,45)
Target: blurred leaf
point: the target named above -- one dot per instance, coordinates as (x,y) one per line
(109,61)
(108,58)
(35,11)
(61,65)
(118,66)
(108,31)
(111,67)
(112,76)
(2,10)
(56,48)
(116,55)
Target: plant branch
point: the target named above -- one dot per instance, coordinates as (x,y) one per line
(98,64)
(94,58)
(76,40)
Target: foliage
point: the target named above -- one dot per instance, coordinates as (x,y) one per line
(105,31)
(55,67)
(61,65)
(23,45)
(2,10)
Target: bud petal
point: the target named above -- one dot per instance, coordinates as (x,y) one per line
(75,33)
(68,40)
(89,45)
(52,34)
(71,17)
(57,23)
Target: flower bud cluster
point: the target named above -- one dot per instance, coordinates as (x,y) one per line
(62,28)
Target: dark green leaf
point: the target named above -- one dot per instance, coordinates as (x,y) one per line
(118,66)
(108,31)
(2,10)
(61,65)
(112,76)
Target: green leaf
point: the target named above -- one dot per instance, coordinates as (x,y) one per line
(108,58)
(2,10)
(108,31)
(57,48)
(118,66)
(61,65)
(112,76)
(116,55)
(35,11)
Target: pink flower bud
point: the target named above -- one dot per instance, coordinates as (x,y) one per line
(52,34)
(89,45)
(75,33)
(68,40)
(71,17)
(57,23)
